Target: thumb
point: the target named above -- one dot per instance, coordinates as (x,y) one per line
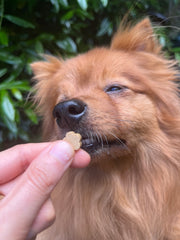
(48,167)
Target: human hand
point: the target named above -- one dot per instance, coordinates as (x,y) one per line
(28,174)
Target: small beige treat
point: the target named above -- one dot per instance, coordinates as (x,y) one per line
(74,139)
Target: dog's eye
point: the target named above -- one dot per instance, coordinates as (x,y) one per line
(114,88)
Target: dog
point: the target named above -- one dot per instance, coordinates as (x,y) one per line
(124,102)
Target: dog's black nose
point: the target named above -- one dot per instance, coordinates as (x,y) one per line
(69,113)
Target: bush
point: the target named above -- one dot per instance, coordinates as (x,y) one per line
(67,27)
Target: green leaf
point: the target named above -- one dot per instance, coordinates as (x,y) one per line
(10,59)
(175,50)
(3,72)
(68,45)
(162,41)
(83,4)
(17,117)
(55,3)
(104,2)
(7,107)
(1,12)
(39,47)
(68,15)
(31,115)
(4,38)
(46,37)
(20,85)
(17,94)
(105,27)
(24,136)
(177,56)
(11,125)
(19,21)
(83,14)
(64,3)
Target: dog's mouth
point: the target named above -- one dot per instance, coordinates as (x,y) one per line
(95,144)
(98,143)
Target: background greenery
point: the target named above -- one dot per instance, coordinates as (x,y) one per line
(29,28)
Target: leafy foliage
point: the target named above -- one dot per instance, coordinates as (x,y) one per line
(29,28)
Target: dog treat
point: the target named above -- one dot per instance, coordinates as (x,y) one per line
(74,139)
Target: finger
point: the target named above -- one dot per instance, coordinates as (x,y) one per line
(7,187)
(34,188)
(81,159)
(44,219)
(15,160)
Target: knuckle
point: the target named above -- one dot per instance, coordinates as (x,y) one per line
(39,179)
(21,153)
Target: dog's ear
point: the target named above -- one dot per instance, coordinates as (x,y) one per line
(43,70)
(141,37)
(45,86)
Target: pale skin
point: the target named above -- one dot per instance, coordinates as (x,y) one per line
(28,174)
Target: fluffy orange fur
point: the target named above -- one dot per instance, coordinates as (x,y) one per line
(130,192)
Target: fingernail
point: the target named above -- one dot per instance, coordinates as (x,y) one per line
(63,152)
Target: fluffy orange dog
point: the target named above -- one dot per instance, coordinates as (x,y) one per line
(124,102)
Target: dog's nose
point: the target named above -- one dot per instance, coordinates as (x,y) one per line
(69,112)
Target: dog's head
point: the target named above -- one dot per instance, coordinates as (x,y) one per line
(114,97)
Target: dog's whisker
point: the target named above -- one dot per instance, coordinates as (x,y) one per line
(106,139)
(102,144)
(115,137)
(119,140)
(99,138)
(107,143)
